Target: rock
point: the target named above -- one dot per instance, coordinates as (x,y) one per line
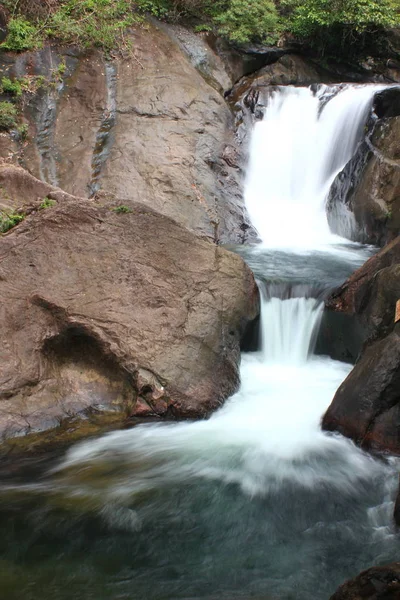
(396,511)
(147,127)
(171,132)
(370,183)
(371,292)
(376,583)
(115,311)
(366,407)
(201,55)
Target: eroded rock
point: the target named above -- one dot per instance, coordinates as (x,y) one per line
(115,311)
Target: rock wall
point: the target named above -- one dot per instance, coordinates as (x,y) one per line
(146,127)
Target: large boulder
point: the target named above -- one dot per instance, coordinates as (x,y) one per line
(114,309)
(376,583)
(366,406)
(370,293)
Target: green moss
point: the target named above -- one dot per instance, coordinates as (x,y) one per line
(8,116)
(10,220)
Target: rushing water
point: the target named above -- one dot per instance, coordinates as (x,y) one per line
(257,501)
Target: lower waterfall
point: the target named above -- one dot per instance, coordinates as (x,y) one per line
(256,501)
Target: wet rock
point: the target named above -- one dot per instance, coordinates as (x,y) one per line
(366,406)
(370,183)
(376,583)
(114,311)
(370,293)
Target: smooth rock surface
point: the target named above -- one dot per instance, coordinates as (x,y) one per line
(366,407)
(146,127)
(124,311)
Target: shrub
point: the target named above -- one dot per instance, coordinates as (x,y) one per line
(8,116)
(249,20)
(14,88)
(8,221)
(47,203)
(121,209)
(341,25)
(21,36)
(22,131)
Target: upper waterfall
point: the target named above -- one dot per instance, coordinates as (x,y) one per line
(303,141)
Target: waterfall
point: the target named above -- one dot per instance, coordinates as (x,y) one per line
(289,328)
(257,490)
(303,141)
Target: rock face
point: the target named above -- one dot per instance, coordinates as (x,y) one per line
(377,583)
(366,406)
(147,128)
(116,310)
(370,183)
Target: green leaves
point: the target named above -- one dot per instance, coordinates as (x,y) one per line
(21,36)
(249,20)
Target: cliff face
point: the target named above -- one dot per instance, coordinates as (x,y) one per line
(146,127)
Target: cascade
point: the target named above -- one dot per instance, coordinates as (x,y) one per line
(303,141)
(257,500)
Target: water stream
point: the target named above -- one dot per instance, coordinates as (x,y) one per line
(257,501)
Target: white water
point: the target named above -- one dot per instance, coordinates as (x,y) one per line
(268,434)
(297,150)
(288,329)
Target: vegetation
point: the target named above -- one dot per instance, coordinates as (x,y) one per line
(47,203)
(9,220)
(121,209)
(342,26)
(14,88)
(8,116)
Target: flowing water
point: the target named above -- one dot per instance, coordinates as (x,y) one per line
(256,502)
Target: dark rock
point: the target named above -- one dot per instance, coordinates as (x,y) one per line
(371,292)
(369,185)
(387,103)
(366,406)
(396,511)
(376,583)
(127,312)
